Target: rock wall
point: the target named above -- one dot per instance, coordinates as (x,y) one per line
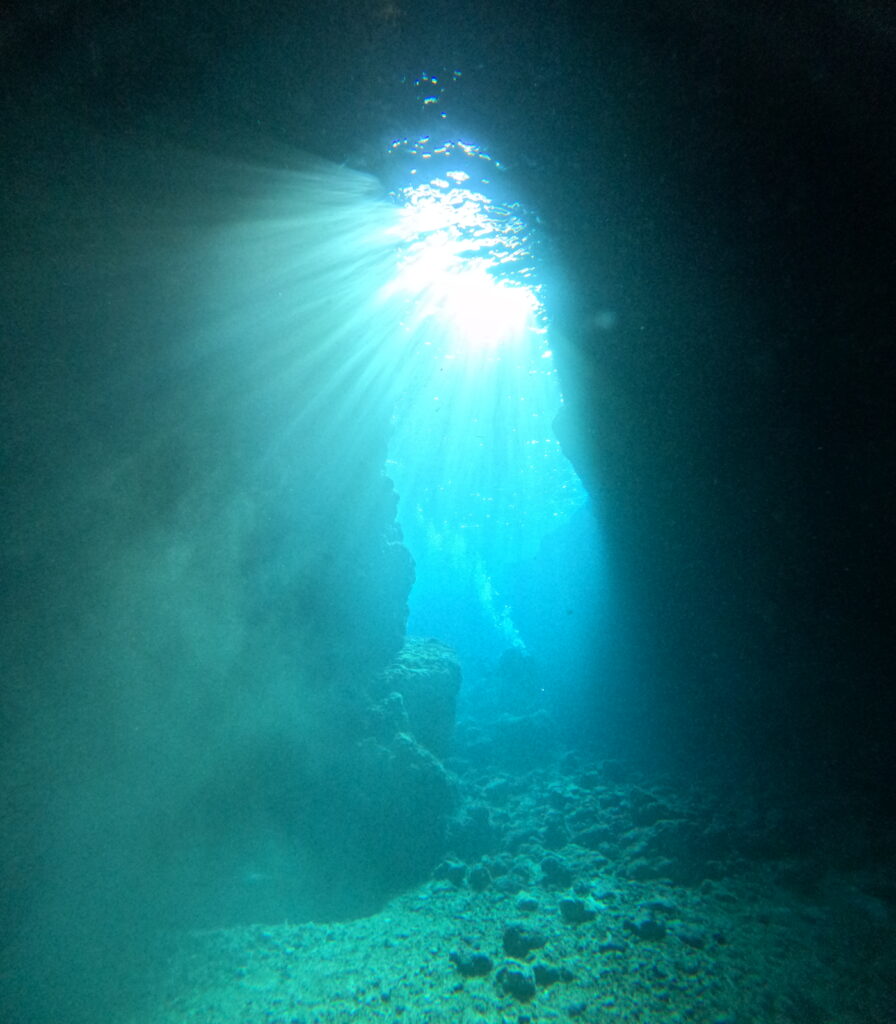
(202,569)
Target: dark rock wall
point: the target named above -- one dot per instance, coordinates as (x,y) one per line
(731,417)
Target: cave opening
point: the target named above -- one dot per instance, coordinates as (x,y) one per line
(510,567)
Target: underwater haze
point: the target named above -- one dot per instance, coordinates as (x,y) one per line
(447,483)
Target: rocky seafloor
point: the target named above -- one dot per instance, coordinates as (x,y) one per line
(580,891)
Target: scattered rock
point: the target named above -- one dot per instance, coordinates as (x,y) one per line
(453,871)
(556,871)
(471,965)
(594,838)
(549,974)
(516,838)
(480,878)
(527,903)
(519,940)
(558,798)
(576,911)
(692,938)
(509,884)
(642,869)
(555,834)
(647,928)
(497,791)
(647,810)
(518,982)
(509,875)
(471,833)
(657,906)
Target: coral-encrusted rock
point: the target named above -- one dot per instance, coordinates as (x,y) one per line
(427,676)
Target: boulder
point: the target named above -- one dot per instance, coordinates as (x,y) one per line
(427,676)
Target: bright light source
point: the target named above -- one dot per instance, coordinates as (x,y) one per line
(481,480)
(464,296)
(465,262)
(485,312)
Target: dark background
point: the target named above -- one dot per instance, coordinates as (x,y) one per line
(720,177)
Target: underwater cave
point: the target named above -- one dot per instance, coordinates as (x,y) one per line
(447,458)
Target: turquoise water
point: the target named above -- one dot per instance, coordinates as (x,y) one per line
(481,477)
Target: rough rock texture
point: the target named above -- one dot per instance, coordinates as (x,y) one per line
(361,806)
(427,676)
(403,797)
(744,950)
(519,940)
